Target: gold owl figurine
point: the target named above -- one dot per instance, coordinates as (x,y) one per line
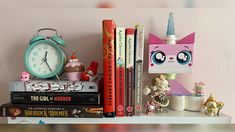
(212,107)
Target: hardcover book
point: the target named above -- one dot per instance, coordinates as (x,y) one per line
(129,70)
(54,86)
(139,56)
(109,67)
(65,111)
(68,98)
(120,71)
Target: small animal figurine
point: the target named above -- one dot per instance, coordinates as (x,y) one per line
(212,107)
(160,83)
(199,86)
(90,73)
(150,107)
(24,76)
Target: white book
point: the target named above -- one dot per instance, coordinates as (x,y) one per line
(139,56)
(120,71)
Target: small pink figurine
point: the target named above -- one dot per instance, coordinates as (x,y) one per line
(90,73)
(151,107)
(24,76)
(199,86)
(74,68)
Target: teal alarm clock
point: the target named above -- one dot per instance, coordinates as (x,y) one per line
(44,58)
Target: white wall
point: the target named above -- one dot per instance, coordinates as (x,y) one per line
(81,28)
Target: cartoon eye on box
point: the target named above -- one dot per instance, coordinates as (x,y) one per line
(171,58)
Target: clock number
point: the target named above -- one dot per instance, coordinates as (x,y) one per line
(35,53)
(45,47)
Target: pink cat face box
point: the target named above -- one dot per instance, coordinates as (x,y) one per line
(171,58)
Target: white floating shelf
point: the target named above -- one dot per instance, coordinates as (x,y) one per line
(171,117)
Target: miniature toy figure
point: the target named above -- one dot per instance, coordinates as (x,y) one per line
(169,55)
(151,108)
(157,93)
(24,76)
(212,107)
(161,100)
(74,68)
(90,74)
(220,106)
(160,84)
(199,86)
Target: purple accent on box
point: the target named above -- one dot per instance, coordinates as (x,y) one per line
(177,89)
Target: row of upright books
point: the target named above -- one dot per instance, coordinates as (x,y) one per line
(123,50)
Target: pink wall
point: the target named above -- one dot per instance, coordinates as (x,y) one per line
(214,51)
(119,3)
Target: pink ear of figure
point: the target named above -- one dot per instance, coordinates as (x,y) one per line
(188,39)
(154,39)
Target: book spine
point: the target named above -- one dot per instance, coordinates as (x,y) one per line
(55,98)
(139,55)
(120,71)
(109,67)
(62,111)
(129,70)
(53,86)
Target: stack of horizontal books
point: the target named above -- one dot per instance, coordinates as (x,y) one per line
(50,98)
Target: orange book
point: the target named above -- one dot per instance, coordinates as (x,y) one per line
(109,67)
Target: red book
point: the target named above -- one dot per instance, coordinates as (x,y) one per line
(109,67)
(120,71)
(130,44)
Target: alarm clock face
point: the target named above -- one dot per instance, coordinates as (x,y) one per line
(44,60)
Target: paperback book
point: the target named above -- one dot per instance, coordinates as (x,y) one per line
(120,71)
(65,111)
(130,33)
(139,56)
(69,98)
(54,86)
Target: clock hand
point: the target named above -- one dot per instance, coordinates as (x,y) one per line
(45,58)
(45,55)
(48,66)
(51,70)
